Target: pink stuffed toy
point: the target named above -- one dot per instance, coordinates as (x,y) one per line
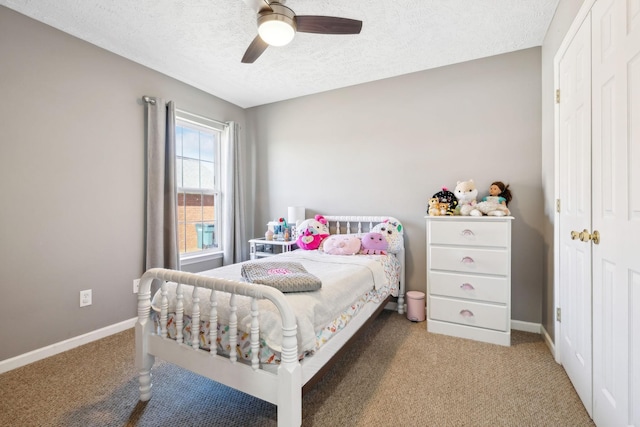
(374,244)
(311,233)
(341,244)
(308,241)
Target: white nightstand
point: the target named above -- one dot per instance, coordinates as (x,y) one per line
(262,247)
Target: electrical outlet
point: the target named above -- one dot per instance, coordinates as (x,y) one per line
(136,285)
(85,298)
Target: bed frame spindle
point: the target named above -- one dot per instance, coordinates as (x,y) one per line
(233,328)
(179,313)
(195,320)
(164,309)
(255,335)
(213,323)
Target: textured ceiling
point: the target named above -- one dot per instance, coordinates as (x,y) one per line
(201,42)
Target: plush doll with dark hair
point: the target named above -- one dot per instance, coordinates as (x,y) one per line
(495,204)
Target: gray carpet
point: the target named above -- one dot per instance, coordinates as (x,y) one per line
(397,374)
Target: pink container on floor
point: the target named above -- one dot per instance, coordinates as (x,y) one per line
(415,306)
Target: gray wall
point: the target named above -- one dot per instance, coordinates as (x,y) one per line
(72,174)
(72,180)
(565,13)
(386,147)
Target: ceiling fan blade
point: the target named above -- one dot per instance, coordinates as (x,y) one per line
(254,50)
(257,5)
(327,25)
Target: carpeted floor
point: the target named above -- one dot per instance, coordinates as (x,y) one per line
(397,374)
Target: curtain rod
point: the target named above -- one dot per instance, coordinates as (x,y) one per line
(152,101)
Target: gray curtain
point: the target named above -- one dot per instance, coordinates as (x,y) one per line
(161,205)
(234,236)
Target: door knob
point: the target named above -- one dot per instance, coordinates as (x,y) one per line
(585,236)
(574,235)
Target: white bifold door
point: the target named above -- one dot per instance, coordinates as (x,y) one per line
(575,212)
(598,244)
(616,212)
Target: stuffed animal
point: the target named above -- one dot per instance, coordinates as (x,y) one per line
(434,207)
(374,244)
(312,232)
(393,232)
(308,241)
(444,208)
(495,204)
(447,199)
(341,244)
(467,193)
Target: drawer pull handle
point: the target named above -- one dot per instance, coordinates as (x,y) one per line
(467,260)
(466,313)
(467,233)
(467,287)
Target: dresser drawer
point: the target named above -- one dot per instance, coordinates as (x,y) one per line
(491,289)
(469,260)
(468,313)
(474,233)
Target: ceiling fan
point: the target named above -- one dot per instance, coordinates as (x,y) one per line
(277,25)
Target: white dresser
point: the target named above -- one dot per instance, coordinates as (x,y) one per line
(469,277)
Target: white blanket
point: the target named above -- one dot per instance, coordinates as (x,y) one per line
(344,280)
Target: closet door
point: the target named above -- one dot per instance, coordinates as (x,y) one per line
(574,170)
(616,212)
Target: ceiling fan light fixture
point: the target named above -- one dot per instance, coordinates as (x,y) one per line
(277,26)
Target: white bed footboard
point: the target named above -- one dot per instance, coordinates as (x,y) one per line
(283,388)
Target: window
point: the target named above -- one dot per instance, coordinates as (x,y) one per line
(198,184)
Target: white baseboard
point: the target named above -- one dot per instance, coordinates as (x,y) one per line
(53,349)
(549,342)
(519,325)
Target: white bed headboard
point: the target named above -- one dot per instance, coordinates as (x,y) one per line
(344,224)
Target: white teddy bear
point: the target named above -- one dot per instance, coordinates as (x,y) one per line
(467,193)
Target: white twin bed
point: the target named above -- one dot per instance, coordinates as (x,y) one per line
(257,339)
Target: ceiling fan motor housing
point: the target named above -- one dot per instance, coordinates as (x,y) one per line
(277,14)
